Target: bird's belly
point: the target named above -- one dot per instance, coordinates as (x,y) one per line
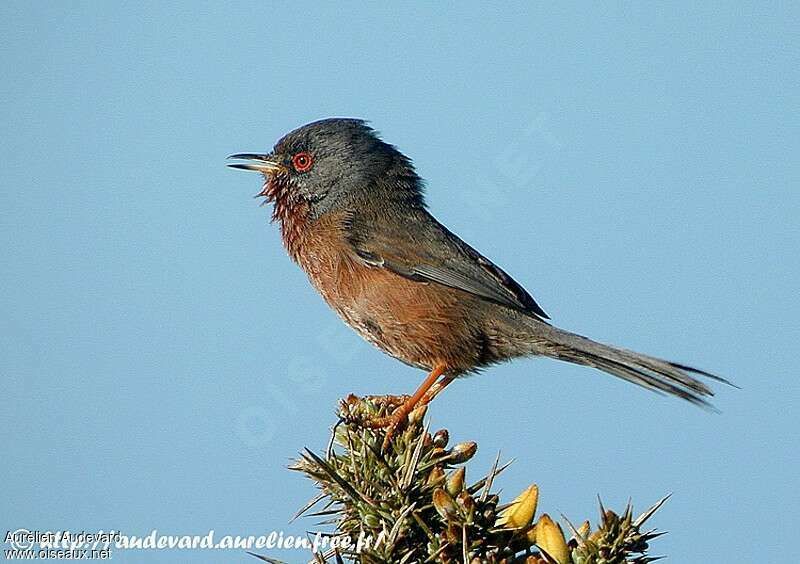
(379,334)
(420,324)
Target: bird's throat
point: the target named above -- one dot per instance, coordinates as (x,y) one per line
(290,211)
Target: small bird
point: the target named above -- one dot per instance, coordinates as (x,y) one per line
(352,214)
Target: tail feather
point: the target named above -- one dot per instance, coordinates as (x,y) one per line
(649,372)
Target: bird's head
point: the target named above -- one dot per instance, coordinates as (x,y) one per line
(332,163)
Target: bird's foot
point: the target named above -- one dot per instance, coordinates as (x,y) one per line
(377,415)
(392,423)
(409,411)
(388,400)
(398,407)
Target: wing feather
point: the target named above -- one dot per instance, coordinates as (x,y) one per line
(423,250)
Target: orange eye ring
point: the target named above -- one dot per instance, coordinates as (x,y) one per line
(302,162)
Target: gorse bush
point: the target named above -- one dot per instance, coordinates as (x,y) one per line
(413,503)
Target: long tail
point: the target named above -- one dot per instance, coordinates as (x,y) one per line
(649,372)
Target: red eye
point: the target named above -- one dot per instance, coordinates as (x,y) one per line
(302,162)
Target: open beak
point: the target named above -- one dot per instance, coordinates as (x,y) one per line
(266,164)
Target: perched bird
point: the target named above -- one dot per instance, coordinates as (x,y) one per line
(353,216)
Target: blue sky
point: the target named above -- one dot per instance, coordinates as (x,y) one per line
(635,168)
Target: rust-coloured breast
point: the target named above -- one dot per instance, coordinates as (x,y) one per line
(419,323)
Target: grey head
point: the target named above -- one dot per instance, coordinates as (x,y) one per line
(334,162)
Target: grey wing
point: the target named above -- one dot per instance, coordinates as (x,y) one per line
(420,248)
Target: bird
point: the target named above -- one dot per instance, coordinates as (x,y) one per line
(352,214)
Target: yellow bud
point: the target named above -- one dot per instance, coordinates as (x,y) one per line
(455,482)
(550,538)
(462,452)
(440,438)
(436,475)
(444,504)
(521,511)
(584,529)
(467,504)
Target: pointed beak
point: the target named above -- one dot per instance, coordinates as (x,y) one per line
(267,164)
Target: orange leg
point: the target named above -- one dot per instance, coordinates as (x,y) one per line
(435,389)
(428,390)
